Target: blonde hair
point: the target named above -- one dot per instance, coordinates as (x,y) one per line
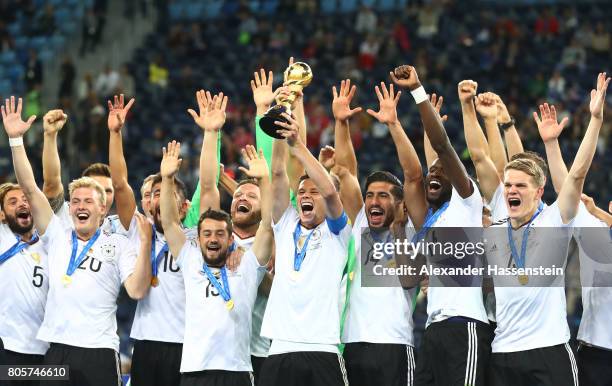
(146,180)
(88,182)
(529,167)
(4,189)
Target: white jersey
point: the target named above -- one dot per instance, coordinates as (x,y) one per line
(447,302)
(111,223)
(217,338)
(304,310)
(530,317)
(83,313)
(596,270)
(259,344)
(24,284)
(499,209)
(377,314)
(160,315)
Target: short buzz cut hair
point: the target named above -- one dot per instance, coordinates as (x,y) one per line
(149,178)
(97,169)
(179,185)
(88,182)
(218,215)
(529,167)
(334,178)
(5,189)
(383,176)
(535,157)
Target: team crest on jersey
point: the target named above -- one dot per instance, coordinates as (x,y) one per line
(108,251)
(36,257)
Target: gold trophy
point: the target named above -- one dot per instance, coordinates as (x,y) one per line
(297,76)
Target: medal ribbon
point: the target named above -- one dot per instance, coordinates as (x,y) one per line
(74,260)
(18,247)
(299,255)
(520,259)
(224,290)
(430,220)
(155,259)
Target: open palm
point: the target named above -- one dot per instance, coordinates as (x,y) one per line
(258,167)
(341,105)
(11,118)
(598,96)
(387,99)
(117,112)
(171,163)
(548,126)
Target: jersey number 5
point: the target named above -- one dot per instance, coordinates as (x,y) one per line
(37,277)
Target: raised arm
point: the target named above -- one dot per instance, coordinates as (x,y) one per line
(514,145)
(226,182)
(430,154)
(139,281)
(596,211)
(15,128)
(171,222)
(280,180)
(124,195)
(316,171)
(345,153)
(402,259)
(53,189)
(569,195)
(549,130)
(406,76)
(295,169)
(210,119)
(487,174)
(350,192)
(414,190)
(258,168)
(487,108)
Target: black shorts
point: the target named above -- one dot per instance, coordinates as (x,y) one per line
(217,378)
(14,358)
(257,362)
(304,368)
(156,363)
(379,364)
(454,352)
(594,366)
(546,366)
(87,366)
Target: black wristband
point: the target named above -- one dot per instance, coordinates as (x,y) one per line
(507,125)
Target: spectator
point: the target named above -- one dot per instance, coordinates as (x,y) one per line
(67,76)
(126,82)
(601,40)
(428,19)
(556,86)
(547,25)
(279,38)
(574,56)
(106,82)
(45,23)
(33,71)
(90,32)
(6,41)
(85,87)
(158,73)
(368,51)
(366,21)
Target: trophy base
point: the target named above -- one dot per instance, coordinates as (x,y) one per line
(266,122)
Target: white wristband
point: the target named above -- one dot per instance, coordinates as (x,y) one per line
(419,95)
(14,142)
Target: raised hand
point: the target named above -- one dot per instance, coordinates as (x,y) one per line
(290,130)
(503,116)
(406,77)
(327,157)
(261,85)
(14,126)
(214,118)
(467,90)
(341,105)
(387,112)
(171,163)
(53,121)
(117,113)
(486,105)
(258,167)
(145,228)
(437,102)
(548,126)
(400,218)
(588,202)
(202,107)
(598,96)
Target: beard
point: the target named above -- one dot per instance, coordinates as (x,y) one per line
(217,261)
(15,227)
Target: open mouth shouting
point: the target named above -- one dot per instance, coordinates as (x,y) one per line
(82,217)
(243,207)
(213,248)
(434,186)
(514,202)
(307,207)
(377,215)
(23,215)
